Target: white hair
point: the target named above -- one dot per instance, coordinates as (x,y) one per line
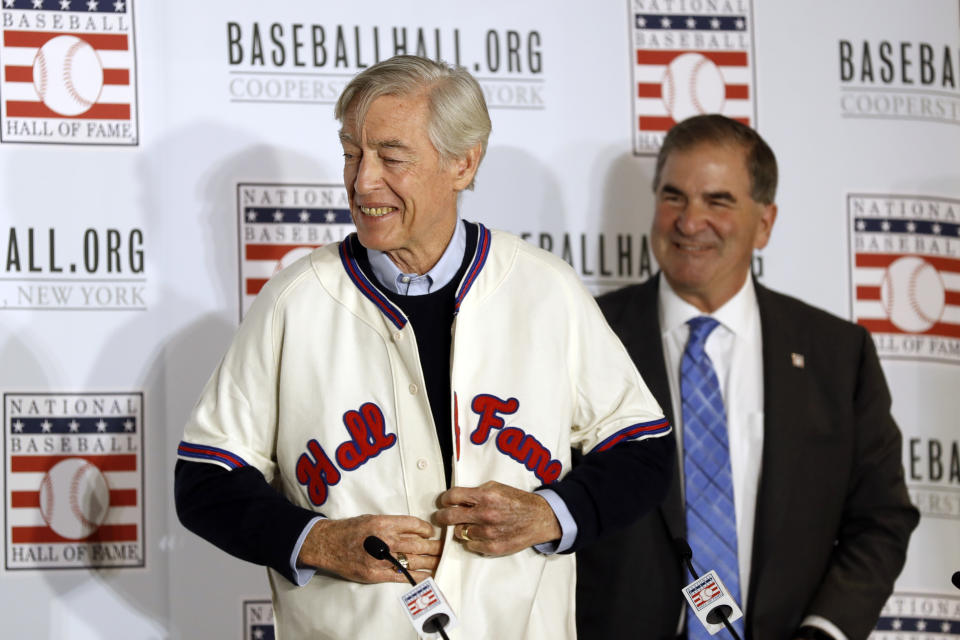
(458,119)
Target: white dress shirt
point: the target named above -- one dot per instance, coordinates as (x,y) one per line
(735,347)
(736,350)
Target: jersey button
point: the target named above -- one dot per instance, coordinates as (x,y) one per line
(422,464)
(397,337)
(413,389)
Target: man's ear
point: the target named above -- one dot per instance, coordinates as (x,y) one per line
(465,167)
(768,215)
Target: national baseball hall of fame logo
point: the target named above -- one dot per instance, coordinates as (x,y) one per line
(688,59)
(73,468)
(69,72)
(258,620)
(280,223)
(919,616)
(905,266)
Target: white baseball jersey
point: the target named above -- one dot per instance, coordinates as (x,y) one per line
(323,392)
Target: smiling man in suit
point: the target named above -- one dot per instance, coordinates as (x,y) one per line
(789,481)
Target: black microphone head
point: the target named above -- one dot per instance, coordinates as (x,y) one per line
(956,579)
(436,622)
(683,549)
(719,613)
(376,547)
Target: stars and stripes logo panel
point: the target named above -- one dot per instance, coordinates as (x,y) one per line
(258,620)
(918,615)
(280,223)
(74,480)
(68,72)
(690,63)
(905,274)
(704,591)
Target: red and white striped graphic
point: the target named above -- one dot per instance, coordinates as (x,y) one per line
(422,602)
(263,261)
(707,592)
(664,77)
(908,293)
(30,472)
(25,75)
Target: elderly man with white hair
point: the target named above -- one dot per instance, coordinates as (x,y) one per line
(422,381)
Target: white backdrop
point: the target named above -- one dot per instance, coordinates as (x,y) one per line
(137,229)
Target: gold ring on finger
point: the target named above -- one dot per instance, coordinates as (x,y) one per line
(463,533)
(402,559)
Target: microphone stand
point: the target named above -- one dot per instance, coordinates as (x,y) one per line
(379,550)
(686,554)
(432,622)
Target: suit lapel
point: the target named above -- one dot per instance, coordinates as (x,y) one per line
(783,389)
(641,329)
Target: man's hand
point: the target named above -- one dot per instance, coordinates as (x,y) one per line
(495,519)
(337,546)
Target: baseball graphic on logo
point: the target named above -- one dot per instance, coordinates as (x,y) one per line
(692,85)
(912,294)
(290,257)
(74,498)
(67,75)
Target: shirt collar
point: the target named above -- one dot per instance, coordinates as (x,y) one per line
(735,314)
(389,275)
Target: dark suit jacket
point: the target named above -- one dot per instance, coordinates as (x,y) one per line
(833,517)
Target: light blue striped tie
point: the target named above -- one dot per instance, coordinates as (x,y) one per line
(708,487)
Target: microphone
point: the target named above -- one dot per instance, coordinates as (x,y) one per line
(721,612)
(955,579)
(376,547)
(705,590)
(379,550)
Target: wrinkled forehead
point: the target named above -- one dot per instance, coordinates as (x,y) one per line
(355,115)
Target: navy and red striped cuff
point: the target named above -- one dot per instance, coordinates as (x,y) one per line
(202,453)
(641,430)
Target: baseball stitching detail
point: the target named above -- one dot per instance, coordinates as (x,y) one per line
(67,69)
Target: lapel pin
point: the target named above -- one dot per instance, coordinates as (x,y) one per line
(797,360)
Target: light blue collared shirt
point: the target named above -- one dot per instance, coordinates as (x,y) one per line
(412,284)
